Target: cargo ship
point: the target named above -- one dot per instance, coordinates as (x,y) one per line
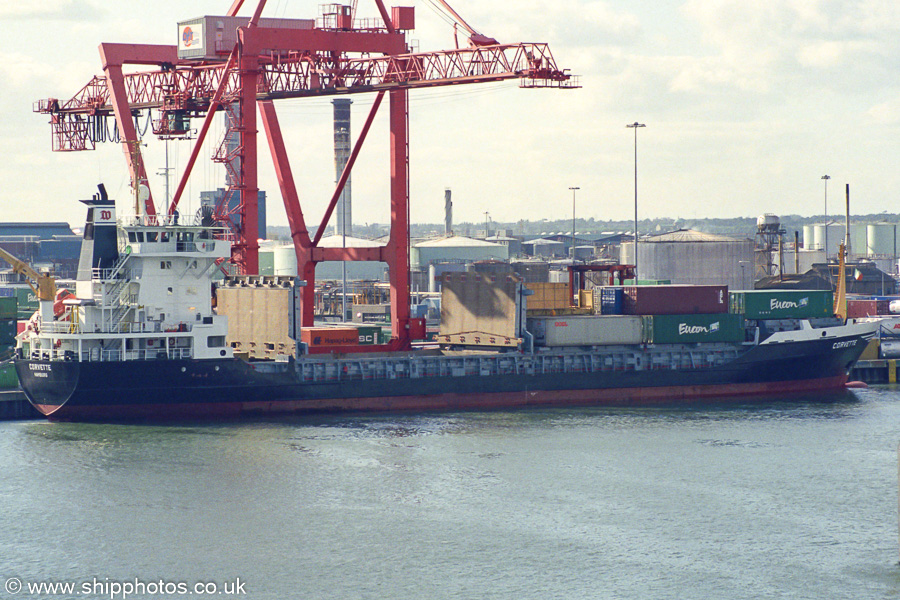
(142,338)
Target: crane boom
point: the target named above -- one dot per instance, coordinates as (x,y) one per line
(319,75)
(44,286)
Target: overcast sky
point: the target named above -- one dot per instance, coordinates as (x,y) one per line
(747,105)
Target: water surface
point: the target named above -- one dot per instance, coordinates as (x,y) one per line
(771,501)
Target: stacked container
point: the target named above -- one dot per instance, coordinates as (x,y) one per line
(857,308)
(586,330)
(675,299)
(611,300)
(693,328)
(8,321)
(317,337)
(782,304)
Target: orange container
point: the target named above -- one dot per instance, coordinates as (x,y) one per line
(329,336)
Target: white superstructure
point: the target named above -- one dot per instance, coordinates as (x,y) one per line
(143,292)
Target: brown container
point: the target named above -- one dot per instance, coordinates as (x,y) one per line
(675,299)
(329,336)
(867,308)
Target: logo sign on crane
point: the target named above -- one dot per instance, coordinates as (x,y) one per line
(191,37)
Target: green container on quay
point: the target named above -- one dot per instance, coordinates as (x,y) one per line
(8,307)
(690,329)
(782,304)
(8,377)
(648,282)
(27,303)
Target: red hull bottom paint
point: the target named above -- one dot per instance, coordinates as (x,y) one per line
(617,397)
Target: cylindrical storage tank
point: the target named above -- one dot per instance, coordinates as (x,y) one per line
(809,242)
(880,239)
(432,275)
(284,260)
(768,222)
(266,261)
(819,237)
(857,239)
(835,236)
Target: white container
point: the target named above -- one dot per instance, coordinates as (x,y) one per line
(587,330)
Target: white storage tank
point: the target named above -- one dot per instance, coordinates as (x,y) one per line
(694,257)
(881,239)
(858,239)
(809,242)
(284,261)
(835,236)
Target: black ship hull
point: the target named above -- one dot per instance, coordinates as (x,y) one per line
(176,389)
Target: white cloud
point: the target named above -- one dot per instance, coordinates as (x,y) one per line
(63,10)
(885,113)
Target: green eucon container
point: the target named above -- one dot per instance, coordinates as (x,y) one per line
(27,303)
(8,308)
(782,304)
(690,329)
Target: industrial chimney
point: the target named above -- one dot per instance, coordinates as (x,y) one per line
(344,222)
(448,213)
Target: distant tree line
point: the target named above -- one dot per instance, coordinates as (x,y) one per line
(736,227)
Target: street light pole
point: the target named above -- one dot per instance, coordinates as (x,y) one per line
(573,222)
(635,126)
(826,178)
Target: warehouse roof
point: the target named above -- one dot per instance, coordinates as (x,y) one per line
(41,230)
(337,241)
(455,241)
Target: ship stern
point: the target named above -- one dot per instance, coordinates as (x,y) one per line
(48,385)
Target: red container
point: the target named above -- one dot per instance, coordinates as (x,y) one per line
(403,17)
(867,308)
(329,336)
(675,299)
(417,329)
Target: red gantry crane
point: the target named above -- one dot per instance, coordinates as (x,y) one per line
(274,59)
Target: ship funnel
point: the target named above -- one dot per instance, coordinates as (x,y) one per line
(100,249)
